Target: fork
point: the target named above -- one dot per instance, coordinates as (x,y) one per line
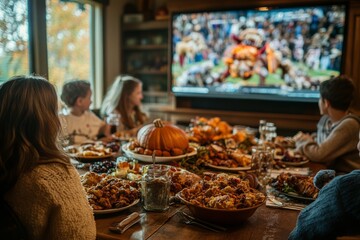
(285,204)
(192,221)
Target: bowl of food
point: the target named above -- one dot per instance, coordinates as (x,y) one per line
(222,199)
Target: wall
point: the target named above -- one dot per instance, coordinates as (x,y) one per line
(352,55)
(113,38)
(113,13)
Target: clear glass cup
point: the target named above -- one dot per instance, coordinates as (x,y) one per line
(262,131)
(270,132)
(113,120)
(261,163)
(155,188)
(64,136)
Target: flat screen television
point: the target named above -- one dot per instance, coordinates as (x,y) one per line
(265,53)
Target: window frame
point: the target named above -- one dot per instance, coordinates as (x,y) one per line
(38,59)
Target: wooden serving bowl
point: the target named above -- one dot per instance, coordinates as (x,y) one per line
(220,216)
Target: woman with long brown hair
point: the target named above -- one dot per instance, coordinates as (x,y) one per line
(37,179)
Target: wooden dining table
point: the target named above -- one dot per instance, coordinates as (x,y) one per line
(265,223)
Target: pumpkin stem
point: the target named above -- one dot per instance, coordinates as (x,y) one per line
(158,123)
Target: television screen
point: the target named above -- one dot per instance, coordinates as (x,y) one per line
(263,53)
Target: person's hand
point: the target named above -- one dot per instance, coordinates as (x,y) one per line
(107,139)
(303,137)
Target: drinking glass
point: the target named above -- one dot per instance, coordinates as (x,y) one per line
(113,120)
(262,130)
(261,162)
(270,132)
(64,135)
(155,188)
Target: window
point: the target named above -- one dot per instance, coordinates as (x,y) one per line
(63,41)
(14,51)
(71,31)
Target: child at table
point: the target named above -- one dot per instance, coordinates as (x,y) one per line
(335,143)
(79,123)
(124,98)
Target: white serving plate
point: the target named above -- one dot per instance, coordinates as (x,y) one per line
(227,168)
(295,163)
(113,210)
(148,158)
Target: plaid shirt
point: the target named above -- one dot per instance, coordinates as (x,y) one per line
(324,128)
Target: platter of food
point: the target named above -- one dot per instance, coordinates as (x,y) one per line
(92,152)
(222,208)
(180,179)
(108,194)
(159,159)
(295,164)
(91,159)
(296,196)
(290,157)
(113,210)
(231,169)
(123,137)
(295,186)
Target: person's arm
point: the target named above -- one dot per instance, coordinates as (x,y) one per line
(105,130)
(319,219)
(336,211)
(341,140)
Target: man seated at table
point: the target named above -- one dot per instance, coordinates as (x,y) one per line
(335,212)
(336,139)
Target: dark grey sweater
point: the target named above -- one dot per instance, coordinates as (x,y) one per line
(336,211)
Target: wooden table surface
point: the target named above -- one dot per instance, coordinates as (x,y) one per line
(266,223)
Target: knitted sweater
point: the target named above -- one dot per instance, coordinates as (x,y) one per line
(51,203)
(339,150)
(336,211)
(81,128)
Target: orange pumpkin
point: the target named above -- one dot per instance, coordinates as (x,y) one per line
(162,136)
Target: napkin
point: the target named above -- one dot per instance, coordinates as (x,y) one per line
(121,227)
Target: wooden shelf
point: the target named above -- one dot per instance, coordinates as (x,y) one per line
(145,55)
(148,72)
(149,26)
(155,94)
(146,47)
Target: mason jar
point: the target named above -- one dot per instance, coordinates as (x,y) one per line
(155,188)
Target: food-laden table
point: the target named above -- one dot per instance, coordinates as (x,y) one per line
(266,223)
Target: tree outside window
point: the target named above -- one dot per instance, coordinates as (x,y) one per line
(14,54)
